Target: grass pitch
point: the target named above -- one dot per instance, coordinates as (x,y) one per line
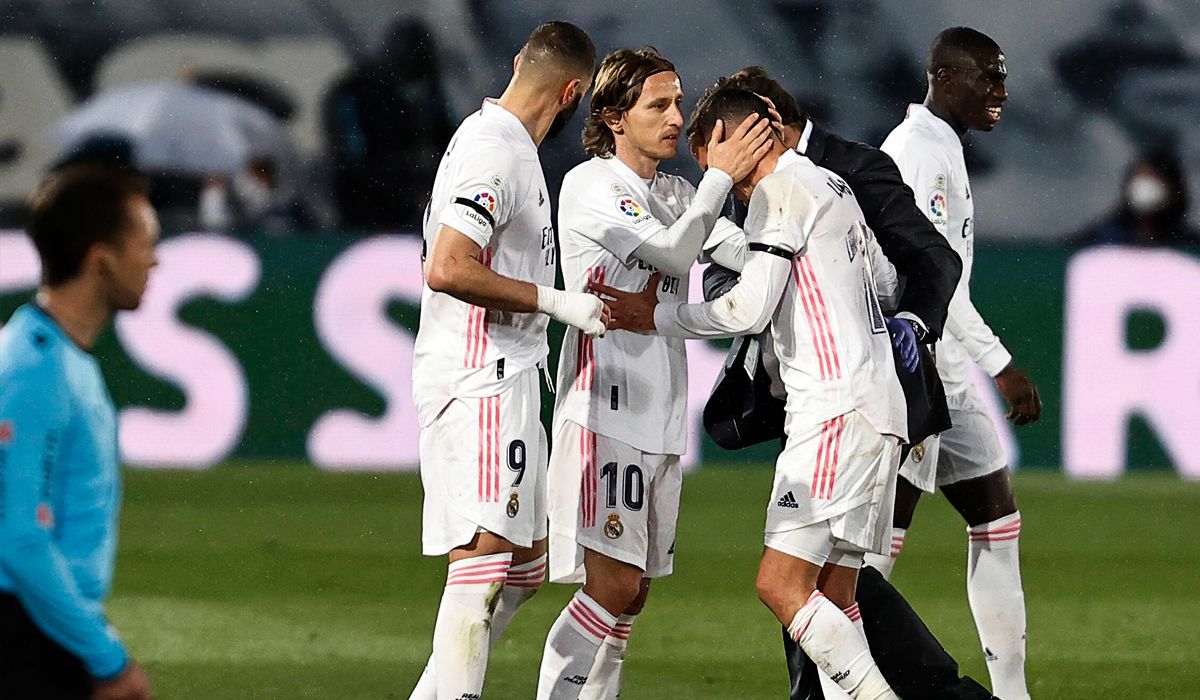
(252,581)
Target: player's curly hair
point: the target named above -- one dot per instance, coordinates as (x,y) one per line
(617,89)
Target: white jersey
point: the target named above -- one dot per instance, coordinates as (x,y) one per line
(489,187)
(833,347)
(930,156)
(626,386)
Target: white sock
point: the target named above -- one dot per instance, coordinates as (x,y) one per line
(604,680)
(522,582)
(831,690)
(998,602)
(575,638)
(884,563)
(461,636)
(838,648)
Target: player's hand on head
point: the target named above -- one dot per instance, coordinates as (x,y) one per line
(631,311)
(776,118)
(1025,405)
(130,684)
(904,339)
(738,153)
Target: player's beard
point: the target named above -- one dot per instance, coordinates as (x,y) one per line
(561,119)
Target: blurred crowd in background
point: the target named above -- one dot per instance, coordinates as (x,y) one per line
(301,118)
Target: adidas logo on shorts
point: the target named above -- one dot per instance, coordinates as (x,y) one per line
(788,501)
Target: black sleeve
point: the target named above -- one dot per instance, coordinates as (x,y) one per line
(718,281)
(923,258)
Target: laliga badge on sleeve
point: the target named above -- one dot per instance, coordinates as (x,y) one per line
(613,528)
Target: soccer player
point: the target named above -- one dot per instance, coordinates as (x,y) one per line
(814,271)
(620,419)
(966,75)
(60,482)
(489,276)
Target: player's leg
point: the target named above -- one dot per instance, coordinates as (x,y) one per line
(973,476)
(604,680)
(994,589)
(482,470)
(787,583)
(918,474)
(662,504)
(576,636)
(612,519)
(526,573)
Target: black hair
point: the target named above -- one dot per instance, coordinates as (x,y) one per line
(78,206)
(730,104)
(954,40)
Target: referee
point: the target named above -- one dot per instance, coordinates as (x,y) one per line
(60,491)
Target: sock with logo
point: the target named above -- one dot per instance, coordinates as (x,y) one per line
(522,582)
(571,648)
(839,649)
(884,563)
(831,690)
(461,637)
(604,680)
(998,602)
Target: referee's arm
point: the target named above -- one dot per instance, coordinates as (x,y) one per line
(34,412)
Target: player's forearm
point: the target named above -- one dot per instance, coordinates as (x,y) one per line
(468,280)
(965,324)
(744,310)
(48,592)
(675,248)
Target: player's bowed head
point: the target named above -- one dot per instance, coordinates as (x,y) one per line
(551,74)
(728,104)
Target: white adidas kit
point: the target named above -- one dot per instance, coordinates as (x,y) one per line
(930,157)
(620,419)
(846,414)
(475,371)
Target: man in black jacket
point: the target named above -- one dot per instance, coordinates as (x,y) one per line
(910,657)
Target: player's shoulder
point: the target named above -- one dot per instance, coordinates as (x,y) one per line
(33,356)
(594,180)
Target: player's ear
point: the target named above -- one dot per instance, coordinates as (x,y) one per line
(517,62)
(612,119)
(567,95)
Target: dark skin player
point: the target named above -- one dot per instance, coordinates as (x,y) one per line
(967,91)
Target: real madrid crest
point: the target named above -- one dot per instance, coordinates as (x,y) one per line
(613,528)
(918,452)
(514,506)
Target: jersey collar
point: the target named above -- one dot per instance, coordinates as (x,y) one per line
(921,114)
(491,109)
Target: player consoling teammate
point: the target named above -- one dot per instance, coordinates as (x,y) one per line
(810,268)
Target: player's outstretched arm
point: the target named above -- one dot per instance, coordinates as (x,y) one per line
(453,268)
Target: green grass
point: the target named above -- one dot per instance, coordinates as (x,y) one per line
(251,581)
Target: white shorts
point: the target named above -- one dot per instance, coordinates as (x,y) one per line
(841,472)
(969,449)
(611,498)
(483,467)
(816,544)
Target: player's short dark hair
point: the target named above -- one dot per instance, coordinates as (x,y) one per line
(76,207)
(950,41)
(562,45)
(617,89)
(757,80)
(728,103)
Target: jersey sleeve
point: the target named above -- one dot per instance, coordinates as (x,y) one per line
(34,416)
(484,194)
(966,325)
(604,210)
(726,245)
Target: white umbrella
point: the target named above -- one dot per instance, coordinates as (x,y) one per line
(176,127)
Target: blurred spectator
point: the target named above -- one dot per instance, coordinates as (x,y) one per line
(98,149)
(387,124)
(251,202)
(1153,206)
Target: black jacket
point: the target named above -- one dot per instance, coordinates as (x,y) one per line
(739,412)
